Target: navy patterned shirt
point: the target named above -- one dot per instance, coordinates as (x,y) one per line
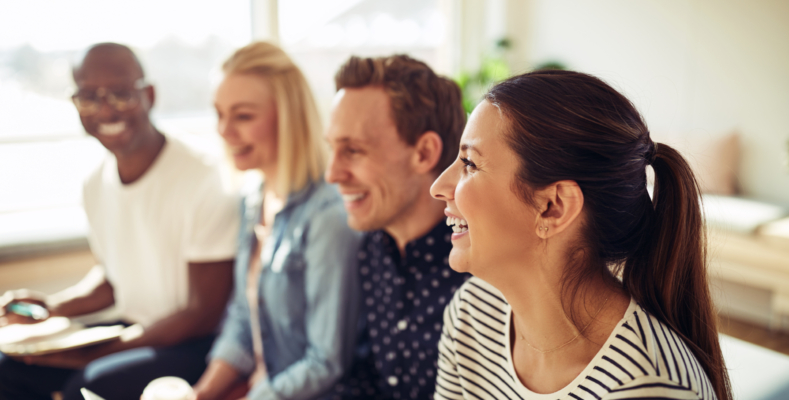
(401,316)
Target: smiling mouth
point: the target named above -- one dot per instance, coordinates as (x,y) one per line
(458,225)
(112,129)
(240,150)
(351,197)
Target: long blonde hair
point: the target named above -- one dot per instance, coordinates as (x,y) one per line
(301,156)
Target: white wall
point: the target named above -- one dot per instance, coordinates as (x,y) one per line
(703,67)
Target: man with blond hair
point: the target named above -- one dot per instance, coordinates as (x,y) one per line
(395,125)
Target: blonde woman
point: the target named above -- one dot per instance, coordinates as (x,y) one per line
(289,329)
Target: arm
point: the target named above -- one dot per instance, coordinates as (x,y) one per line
(217,380)
(331,289)
(211,227)
(92,293)
(210,284)
(448,381)
(231,357)
(209,287)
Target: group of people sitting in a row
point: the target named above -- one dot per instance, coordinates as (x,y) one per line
(347,273)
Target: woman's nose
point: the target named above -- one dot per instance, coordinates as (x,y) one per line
(444,187)
(224,129)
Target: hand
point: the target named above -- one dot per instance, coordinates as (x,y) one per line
(29,296)
(69,359)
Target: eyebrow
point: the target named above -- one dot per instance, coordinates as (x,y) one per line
(346,140)
(468,146)
(244,104)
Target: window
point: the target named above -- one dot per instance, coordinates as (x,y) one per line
(44,153)
(320,41)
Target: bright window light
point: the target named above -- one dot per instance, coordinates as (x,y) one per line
(44,153)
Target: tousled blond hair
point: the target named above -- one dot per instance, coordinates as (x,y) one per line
(301,156)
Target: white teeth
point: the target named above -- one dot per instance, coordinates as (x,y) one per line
(458,229)
(352,197)
(112,129)
(458,225)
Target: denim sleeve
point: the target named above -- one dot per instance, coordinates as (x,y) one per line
(331,288)
(234,344)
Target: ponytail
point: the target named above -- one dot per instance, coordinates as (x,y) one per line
(566,125)
(668,273)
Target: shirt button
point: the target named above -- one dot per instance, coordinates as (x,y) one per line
(392,380)
(402,325)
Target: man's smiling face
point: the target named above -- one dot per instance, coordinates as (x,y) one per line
(114,72)
(370,162)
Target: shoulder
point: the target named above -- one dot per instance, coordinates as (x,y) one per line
(322,205)
(478,304)
(189,162)
(645,355)
(196,173)
(324,196)
(322,214)
(475,291)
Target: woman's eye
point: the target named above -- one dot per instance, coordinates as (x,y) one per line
(244,117)
(468,164)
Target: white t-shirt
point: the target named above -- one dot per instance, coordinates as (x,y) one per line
(145,233)
(642,358)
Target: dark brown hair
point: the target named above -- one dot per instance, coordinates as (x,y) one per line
(567,125)
(421,100)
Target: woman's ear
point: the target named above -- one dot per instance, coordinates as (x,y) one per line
(559,205)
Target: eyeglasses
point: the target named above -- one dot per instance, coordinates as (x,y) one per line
(89,102)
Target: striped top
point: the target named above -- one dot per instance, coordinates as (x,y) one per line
(642,357)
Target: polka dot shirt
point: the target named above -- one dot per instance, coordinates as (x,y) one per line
(403,300)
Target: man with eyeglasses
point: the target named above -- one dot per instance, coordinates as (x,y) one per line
(162,228)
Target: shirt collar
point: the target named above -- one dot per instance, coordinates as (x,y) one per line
(436,237)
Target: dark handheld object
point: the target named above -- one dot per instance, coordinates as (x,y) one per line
(29,310)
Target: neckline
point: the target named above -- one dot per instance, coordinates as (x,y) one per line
(141,181)
(528,394)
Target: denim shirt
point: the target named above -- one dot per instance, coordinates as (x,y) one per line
(308,296)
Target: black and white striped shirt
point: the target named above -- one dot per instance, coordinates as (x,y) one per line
(641,359)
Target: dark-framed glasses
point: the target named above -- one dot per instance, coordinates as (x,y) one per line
(88,102)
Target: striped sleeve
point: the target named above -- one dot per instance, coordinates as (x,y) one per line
(652,387)
(448,384)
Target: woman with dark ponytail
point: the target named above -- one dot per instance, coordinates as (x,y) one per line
(585,286)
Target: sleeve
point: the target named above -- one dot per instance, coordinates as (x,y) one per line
(656,387)
(331,288)
(234,344)
(448,381)
(213,221)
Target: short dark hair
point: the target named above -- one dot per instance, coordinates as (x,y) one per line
(421,100)
(109,48)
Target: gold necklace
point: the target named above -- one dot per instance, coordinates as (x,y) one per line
(567,343)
